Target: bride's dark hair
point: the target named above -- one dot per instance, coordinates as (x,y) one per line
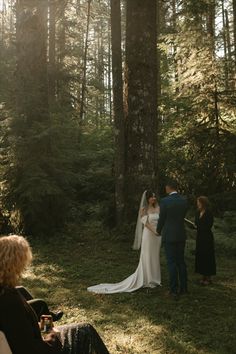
(150,194)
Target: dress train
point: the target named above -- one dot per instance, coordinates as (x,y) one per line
(148,273)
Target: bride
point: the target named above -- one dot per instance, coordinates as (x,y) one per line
(148,273)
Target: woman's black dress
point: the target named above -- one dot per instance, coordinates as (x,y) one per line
(205,263)
(20,324)
(81,339)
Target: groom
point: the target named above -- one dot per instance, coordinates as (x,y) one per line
(171,226)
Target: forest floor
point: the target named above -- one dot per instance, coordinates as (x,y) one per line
(146,321)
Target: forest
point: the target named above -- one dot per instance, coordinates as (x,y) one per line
(99,101)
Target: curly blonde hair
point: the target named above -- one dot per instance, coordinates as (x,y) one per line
(15,255)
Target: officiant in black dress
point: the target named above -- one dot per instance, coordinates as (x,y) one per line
(205,263)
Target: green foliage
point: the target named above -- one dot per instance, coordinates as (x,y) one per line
(95,187)
(198,116)
(39,173)
(53,171)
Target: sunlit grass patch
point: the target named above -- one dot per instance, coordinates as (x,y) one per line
(146,321)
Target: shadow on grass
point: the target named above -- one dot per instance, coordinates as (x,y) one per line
(146,321)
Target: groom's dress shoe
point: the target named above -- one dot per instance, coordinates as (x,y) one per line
(57,316)
(173,296)
(183,292)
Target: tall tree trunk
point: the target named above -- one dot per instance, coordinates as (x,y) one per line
(79,58)
(12,18)
(210,20)
(83,86)
(78,5)
(234,19)
(109,84)
(3,22)
(62,88)
(141,81)
(32,111)
(228,40)
(215,115)
(31,39)
(101,84)
(226,69)
(175,47)
(118,108)
(158,25)
(228,44)
(96,76)
(52,51)
(100,73)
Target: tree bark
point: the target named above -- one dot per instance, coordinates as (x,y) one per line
(31,41)
(101,105)
(158,25)
(141,81)
(226,69)
(234,19)
(228,43)
(3,22)
(62,86)
(52,51)
(83,86)
(210,20)
(118,109)
(109,86)
(33,119)
(175,47)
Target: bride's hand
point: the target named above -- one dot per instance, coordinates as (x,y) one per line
(142,212)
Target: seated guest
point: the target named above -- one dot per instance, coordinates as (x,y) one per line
(20,323)
(205,263)
(40,306)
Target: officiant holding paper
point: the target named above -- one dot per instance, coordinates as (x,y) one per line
(190,224)
(205,263)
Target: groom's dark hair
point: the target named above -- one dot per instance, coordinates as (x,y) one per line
(172,183)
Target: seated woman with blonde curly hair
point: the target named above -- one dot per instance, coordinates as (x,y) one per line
(18,320)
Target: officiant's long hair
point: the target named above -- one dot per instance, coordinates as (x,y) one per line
(204,202)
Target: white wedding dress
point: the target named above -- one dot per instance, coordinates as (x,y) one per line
(148,272)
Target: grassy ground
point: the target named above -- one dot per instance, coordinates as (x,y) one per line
(146,321)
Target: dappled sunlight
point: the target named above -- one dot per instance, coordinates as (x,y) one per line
(145,321)
(135,343)
(45,272)
(45,279)
(100,100)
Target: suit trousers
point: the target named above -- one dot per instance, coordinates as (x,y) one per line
(176,266)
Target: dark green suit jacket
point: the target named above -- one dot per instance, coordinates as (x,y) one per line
(170,225)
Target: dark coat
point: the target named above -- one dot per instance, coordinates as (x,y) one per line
(205,263)
(170,225)
(19,323)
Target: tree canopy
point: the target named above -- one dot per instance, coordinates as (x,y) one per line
(102,99)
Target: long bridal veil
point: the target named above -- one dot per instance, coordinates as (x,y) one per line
(139,224)
(147,273)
